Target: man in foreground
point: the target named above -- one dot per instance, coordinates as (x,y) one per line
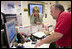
(62,31)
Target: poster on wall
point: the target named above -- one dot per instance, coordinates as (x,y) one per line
(10,5)
(11,8)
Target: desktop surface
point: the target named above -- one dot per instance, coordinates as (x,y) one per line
(31,44)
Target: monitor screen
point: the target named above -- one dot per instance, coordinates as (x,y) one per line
(31,6)
(11,32)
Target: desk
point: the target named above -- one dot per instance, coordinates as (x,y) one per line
(30,45)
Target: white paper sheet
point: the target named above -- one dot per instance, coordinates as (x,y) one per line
(39,34)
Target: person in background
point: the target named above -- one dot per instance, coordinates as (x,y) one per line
(36,18)
(69,9)
(62,31)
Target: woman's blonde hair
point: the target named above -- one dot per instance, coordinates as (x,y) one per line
(36,9)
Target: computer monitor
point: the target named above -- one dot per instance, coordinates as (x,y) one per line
(2,20)
(31,6)
(10,32)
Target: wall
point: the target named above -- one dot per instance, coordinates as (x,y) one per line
(66,4)
(24,4)
(26,18)
(16,10)
(7,10)
(49,20)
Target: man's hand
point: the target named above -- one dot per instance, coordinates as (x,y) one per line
(39,43)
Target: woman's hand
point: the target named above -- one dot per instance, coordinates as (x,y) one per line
(33,14)
(38,23)
(45,31)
